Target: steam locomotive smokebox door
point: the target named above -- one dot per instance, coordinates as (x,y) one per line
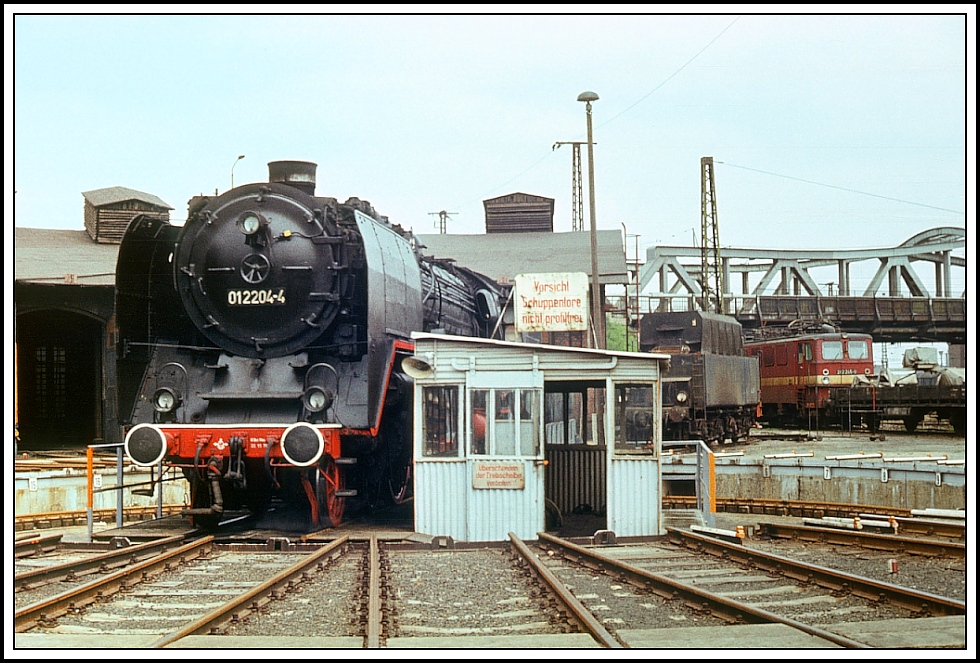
(250,270)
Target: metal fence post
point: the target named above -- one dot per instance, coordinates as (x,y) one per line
(89,497)
(160,489)
(119,487)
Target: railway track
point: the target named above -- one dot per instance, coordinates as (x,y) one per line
(75,569)
(256,593)
(883,542)
(794,508)
(188,585)
(936,566)
(723,583)
(452,594)
(918,603)
(57,519)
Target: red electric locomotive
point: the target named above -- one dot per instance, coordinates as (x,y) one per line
(799,373)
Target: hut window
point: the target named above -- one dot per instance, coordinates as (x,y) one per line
(440,420)
(505,422)
(635,414)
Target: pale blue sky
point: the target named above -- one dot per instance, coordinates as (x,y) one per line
(827,130)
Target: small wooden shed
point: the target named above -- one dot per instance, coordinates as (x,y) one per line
(520,213)
(108,211)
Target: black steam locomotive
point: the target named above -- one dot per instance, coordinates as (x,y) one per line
(260,346)
(712,390)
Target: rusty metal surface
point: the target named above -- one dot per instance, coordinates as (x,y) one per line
(103,562)
(36,544)
(572,605)
(698,599)
(48,609)
(373,638)
(256,596)
(889,542)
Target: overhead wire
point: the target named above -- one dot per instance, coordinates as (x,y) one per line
(614,117)
(789,177)
(839,188)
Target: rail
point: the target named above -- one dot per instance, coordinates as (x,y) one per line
(48,609)
(572,605)
(98,563)
(699,599)
(873,541)
(920,603)
(260,595)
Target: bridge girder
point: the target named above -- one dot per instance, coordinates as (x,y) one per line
(896,263)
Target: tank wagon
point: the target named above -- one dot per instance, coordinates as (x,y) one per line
(711,391)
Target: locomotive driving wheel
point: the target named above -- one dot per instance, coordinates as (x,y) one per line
(329,480)
(401,487)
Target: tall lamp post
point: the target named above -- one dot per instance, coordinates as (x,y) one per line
(598,317)
(240,157)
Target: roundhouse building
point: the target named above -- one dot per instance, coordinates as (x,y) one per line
(64,283)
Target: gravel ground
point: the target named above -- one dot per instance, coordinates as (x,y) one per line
(811,604)
(622,606)
(941,576)
(325,606)
(176,597)
(472,592)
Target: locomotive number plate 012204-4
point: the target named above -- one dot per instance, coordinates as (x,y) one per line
(261,296)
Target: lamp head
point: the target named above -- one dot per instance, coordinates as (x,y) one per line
(588,96)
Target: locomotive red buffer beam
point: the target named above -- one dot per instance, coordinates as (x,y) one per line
(298,445)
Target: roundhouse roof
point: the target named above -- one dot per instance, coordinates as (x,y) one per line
(44,255)
(502,256)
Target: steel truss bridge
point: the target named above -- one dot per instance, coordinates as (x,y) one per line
(896,306)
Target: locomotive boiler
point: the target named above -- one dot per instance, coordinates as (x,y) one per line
(260,346)
(711,391)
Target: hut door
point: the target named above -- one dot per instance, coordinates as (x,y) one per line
(575,482)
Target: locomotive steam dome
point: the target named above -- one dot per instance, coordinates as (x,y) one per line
(257,267)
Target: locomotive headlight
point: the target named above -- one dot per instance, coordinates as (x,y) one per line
(825,380)
(681,396)
(316,399)
(165,399)
(250,223)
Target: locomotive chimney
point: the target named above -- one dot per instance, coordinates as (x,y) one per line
(299,174)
